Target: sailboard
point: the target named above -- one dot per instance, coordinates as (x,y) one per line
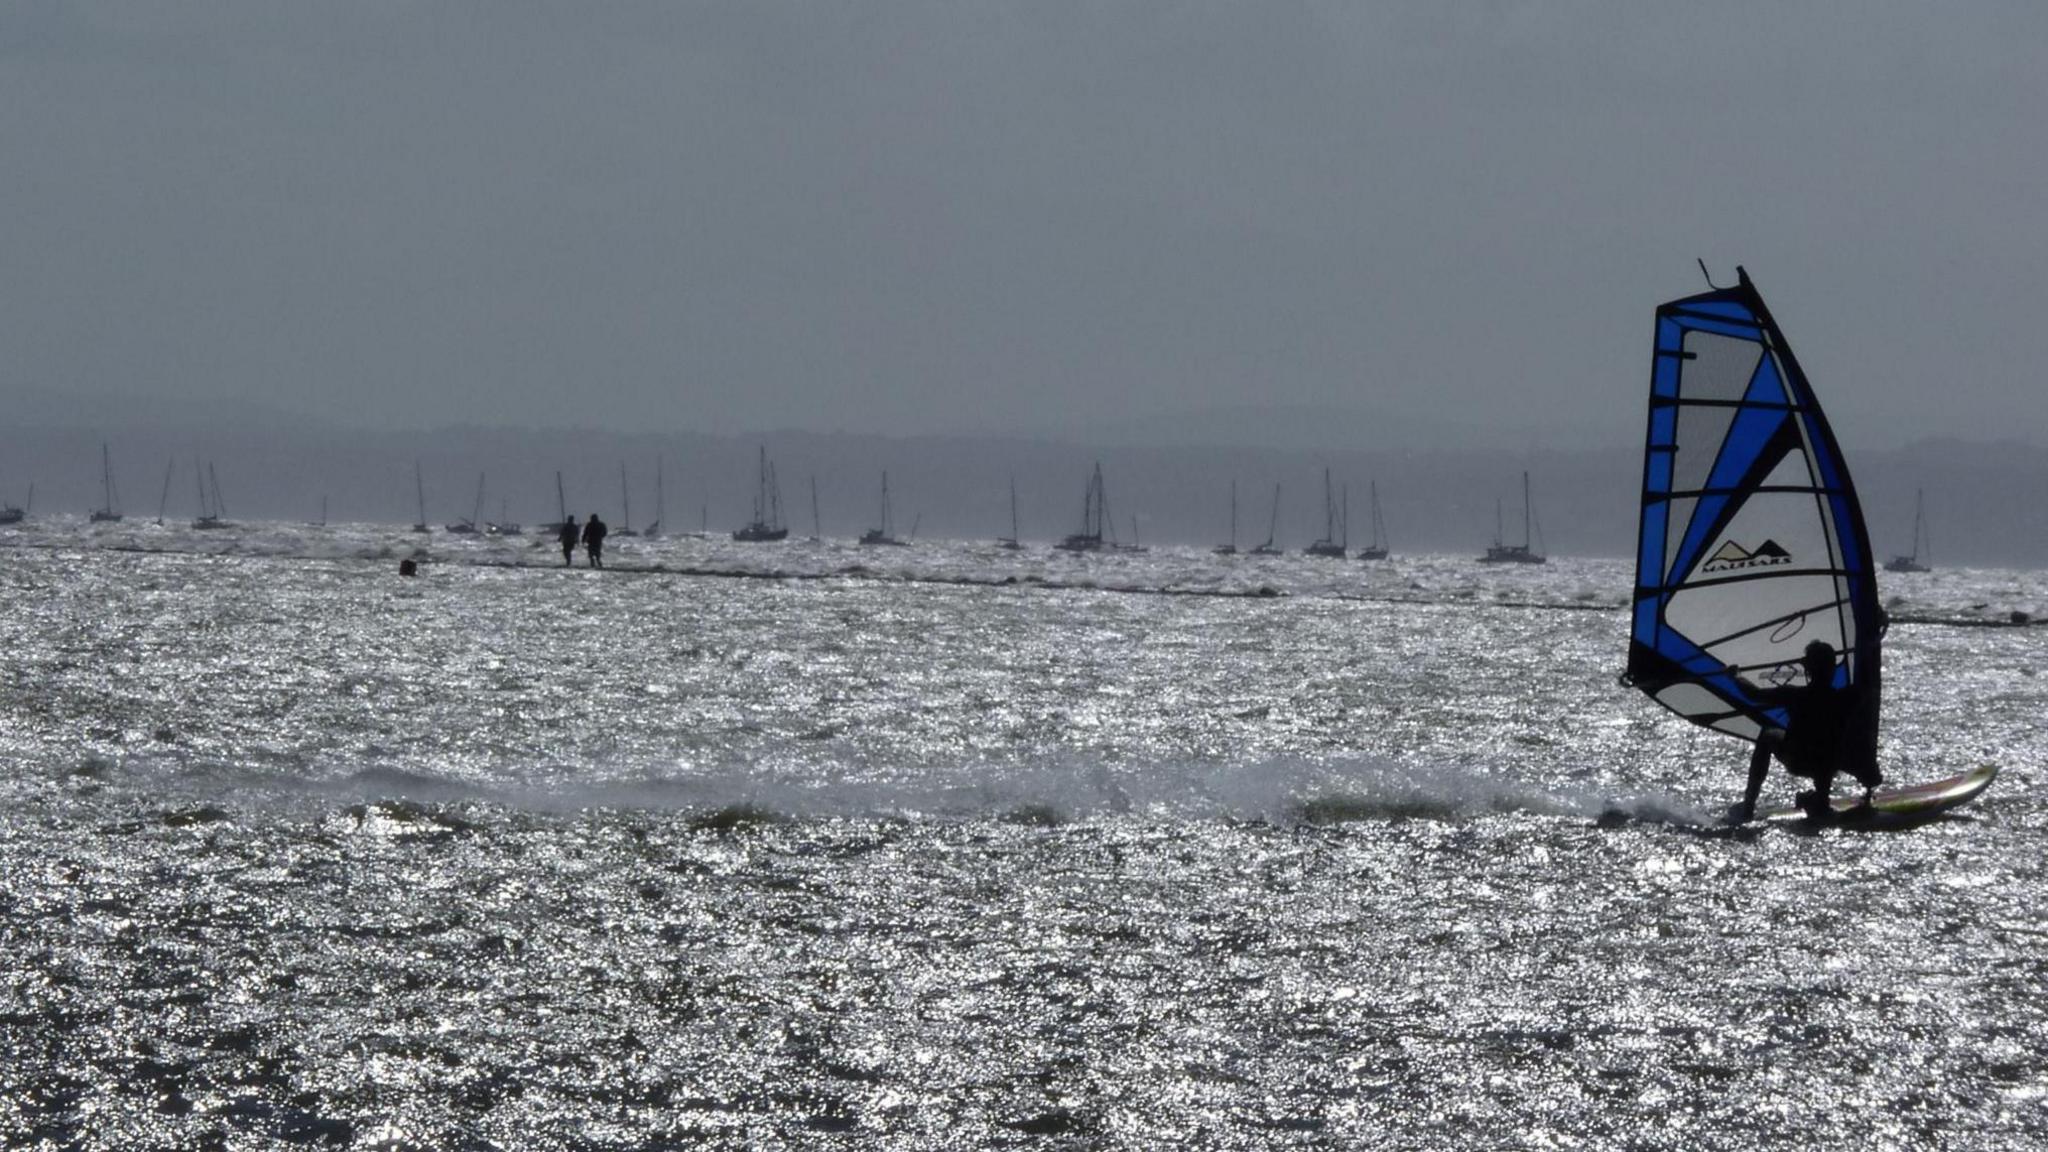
(1751,543)
(1898,808)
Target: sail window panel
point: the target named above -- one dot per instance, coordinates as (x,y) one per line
(1680,519)
(1701,431)
(1720,369)
(1691,699)
(1741,726)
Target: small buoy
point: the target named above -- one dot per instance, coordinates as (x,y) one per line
(2019,617)
(408,567)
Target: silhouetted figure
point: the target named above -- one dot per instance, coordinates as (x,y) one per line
(1819,739)
(568,540)
(593,540)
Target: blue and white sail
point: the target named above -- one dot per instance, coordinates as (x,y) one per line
(1752,543)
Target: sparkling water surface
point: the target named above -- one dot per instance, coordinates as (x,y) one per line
(956,848)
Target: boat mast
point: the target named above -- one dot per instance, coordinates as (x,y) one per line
(658,510)
(164,500)
(476,514)
(1013,509)
(561,500)
(1920,526)
(625,500)
(817,524)
(106,479)
(219,505)
(1525,511)
(419,485)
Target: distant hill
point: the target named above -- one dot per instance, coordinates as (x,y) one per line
(1331,428)
(1987,503)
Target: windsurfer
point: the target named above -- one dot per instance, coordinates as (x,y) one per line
(1817,740)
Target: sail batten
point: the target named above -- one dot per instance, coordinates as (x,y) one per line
(1751,542)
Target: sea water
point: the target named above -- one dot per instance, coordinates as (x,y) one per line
(949,847)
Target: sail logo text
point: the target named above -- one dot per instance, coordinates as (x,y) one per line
(1733,557)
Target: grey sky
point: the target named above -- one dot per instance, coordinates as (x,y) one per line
(961,216)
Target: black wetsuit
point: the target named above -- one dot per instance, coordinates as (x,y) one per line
(593,540)
(1823,734)
(568,541)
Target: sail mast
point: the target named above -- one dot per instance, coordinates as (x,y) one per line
(1525,510)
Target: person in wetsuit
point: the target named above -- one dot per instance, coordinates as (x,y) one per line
(594,531)
(1822,736)
(567,537)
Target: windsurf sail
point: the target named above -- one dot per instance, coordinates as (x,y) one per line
(1752,543)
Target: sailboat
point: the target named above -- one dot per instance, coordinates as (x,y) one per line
(163,501)
(1752,544)
(1230,549)
(1272,528)
(1133,546)
(625,527)
(322,522)
(212,513)
(1917,559)
(1523,553)
(1094,518)
(1377,549)
(109,511)
(653,530)
(1332,545)
(470,525)
(886,534)
(767,525)
(9,514)
(504,525)
(1009,543)
(419,488)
